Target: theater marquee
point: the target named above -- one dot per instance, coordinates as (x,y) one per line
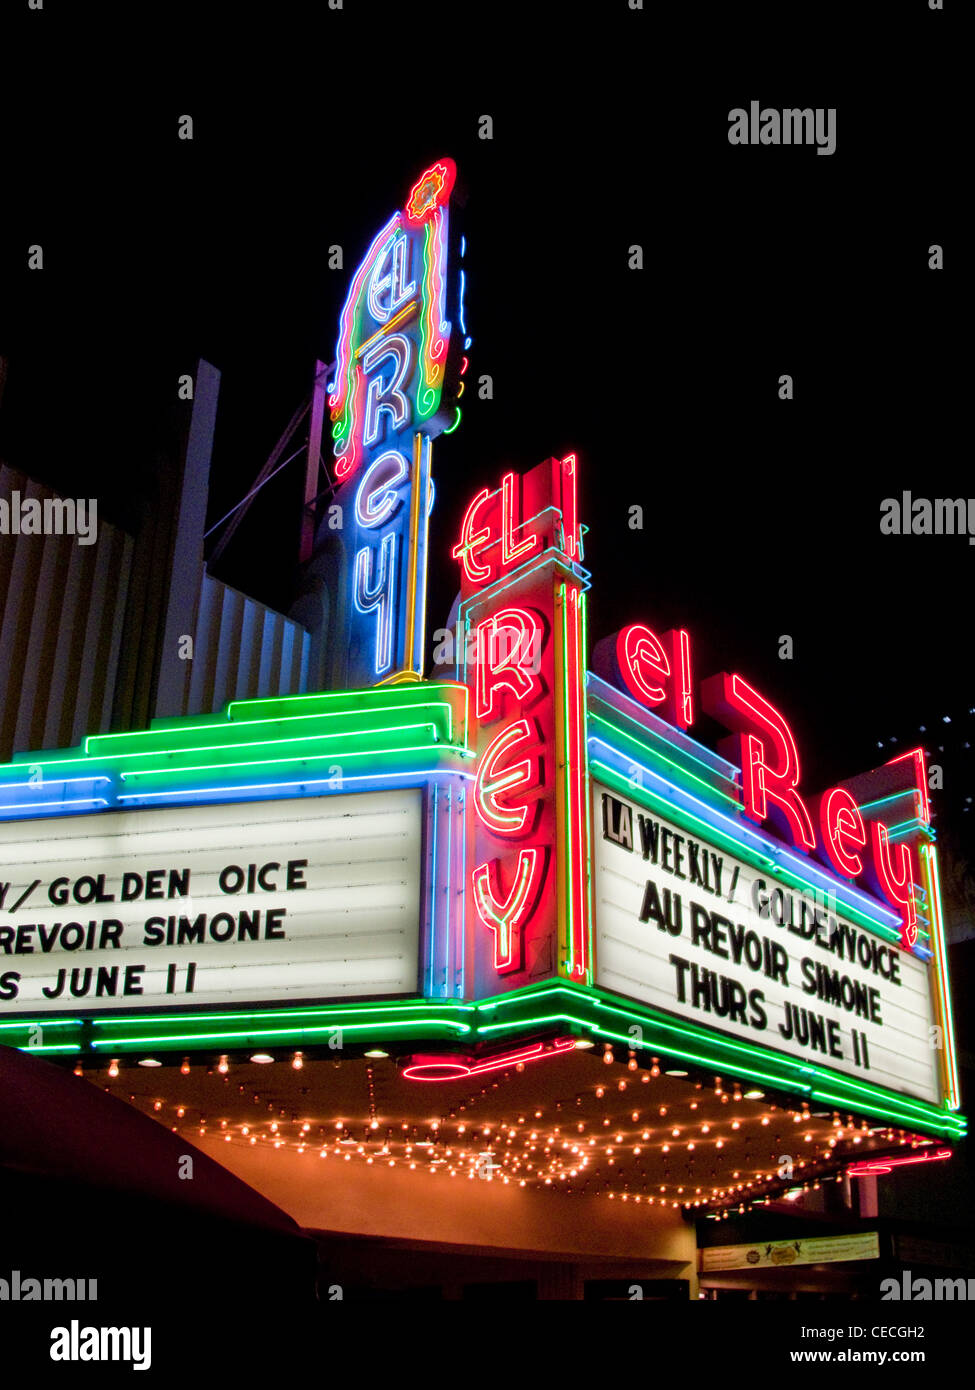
(316,898)
(542,843)
(685,926)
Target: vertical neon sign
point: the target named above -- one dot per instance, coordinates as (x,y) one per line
(395,387)
(522,619)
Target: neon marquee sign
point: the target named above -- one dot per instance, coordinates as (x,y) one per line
(398,377)
(523,610)
(849,837)
(874,1167)
(456,1066)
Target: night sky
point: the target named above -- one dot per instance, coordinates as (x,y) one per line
(761,517)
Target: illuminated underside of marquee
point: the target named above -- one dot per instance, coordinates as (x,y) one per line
(655,1132)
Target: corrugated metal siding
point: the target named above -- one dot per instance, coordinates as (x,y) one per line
(61,612)
(62,616)
(242,649)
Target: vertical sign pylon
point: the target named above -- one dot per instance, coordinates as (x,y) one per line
(394,388)
(522,618)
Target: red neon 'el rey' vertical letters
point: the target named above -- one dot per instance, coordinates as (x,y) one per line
(473,541)
(569,505)
(494,785)
(893,873)
(511,549)
(507,648)
(506,917)
(843,831)
(766,749)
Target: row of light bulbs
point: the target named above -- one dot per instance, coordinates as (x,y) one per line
(223,1062)
(557,1167)
(347,1148)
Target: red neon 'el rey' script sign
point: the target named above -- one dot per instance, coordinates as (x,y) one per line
(764,747)
(656,672)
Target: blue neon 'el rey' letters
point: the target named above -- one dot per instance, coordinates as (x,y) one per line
(374,592)
(377,499)
(386,397)
(391,280)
